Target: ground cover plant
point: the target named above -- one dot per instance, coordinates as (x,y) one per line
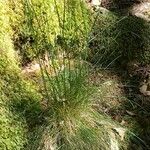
(72,123)
(15,92)
(54,93)
(119,37)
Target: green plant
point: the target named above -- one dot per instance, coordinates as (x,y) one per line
(19,100)
(12,126)
(67,119)
(44,14)
(103,43)
(72,122)
(120,39)
(19,108)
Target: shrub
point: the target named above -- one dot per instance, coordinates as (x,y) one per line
(19,108)
(12,133)
(12,127)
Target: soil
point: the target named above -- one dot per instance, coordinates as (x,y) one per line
(124,103)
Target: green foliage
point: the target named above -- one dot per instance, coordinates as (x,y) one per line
(19,106)
(12,127)
(65,22)
(16,15)
(72,123)
(18,98)
(120,39)
(103,43)
(6,46)
(71,120)
(68,119)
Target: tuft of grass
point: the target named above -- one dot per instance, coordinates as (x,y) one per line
(68,119)
(72,122)
(120,39)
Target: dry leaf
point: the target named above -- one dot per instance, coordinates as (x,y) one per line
(123,122)
(130,113)
(143,89)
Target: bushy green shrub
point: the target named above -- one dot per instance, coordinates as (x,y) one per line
(12,125)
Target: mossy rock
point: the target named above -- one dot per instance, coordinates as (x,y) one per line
(13,127)
(19,99)
(41,25)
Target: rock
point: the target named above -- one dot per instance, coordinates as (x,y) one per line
(144,89)
(121,132)
(141,10)
(96,2)
(31,68)
(114,145)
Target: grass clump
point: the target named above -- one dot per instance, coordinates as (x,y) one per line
(71,120)
(118,38)
(67,119)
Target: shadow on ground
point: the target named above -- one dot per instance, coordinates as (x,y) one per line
(117,5)
(126,38)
